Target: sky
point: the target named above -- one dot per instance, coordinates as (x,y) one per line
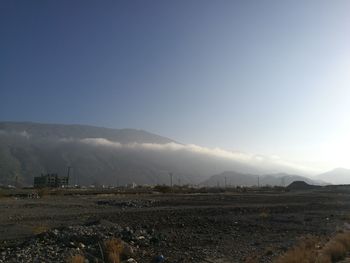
(263,77)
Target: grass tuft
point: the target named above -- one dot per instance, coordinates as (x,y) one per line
(336,249)
(310,251)
(113,248)
(39,229)
(303,252)
(76,259)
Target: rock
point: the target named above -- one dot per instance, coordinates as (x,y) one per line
(81,245)
(128,250)
(159,259)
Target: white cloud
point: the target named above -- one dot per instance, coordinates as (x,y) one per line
(259,161)
(24,134)
(101,142)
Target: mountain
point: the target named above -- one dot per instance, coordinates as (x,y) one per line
(61,131)
(232,178)
(336,176)
(101,155)
(117,156)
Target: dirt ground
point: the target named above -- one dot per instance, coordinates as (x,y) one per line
(221,227)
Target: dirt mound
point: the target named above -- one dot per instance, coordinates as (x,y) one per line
(300,185)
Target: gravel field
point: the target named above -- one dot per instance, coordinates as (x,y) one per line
(225,227)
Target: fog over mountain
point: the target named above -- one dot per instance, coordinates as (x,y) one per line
(118,156)
(336,176)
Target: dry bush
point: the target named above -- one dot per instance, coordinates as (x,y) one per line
(113,248)
(335,249)
(343,238)
(76,259)
(304,252)
(308,250)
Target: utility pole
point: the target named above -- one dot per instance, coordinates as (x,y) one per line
(171,179)
(225,182)
(76,179)
(68,173)
(258,181)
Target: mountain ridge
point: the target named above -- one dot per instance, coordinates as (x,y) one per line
(338,175)
(101,155)
(86,131)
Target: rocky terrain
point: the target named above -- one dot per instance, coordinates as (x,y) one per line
(222,227)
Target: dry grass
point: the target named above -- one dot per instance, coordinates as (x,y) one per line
(311,251)
(113,248)
(42,192)
(303,252)
(335,249)
(251,259)
(39,229)
(264,215)
(76,259)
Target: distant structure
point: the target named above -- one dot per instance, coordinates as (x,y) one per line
(51,181)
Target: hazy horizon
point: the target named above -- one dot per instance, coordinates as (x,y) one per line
(259,78)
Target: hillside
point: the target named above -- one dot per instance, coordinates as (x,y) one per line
(62,131)
(120,156)
(100,155)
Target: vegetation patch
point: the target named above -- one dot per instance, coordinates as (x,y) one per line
(76,259)
(37,230)
(113,249)
(313,250)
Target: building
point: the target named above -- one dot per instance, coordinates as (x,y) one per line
(51,180)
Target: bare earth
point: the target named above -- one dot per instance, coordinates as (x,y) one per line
(227,227)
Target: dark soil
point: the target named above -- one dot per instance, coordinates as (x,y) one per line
(227,227)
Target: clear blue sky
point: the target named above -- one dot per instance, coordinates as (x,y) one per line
(269,77)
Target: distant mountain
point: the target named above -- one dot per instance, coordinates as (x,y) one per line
(118,157)
(336,176)
(231,178)
(101,156)
(62,131)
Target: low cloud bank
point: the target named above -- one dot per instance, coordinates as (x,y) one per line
(24,134)
(257,161)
